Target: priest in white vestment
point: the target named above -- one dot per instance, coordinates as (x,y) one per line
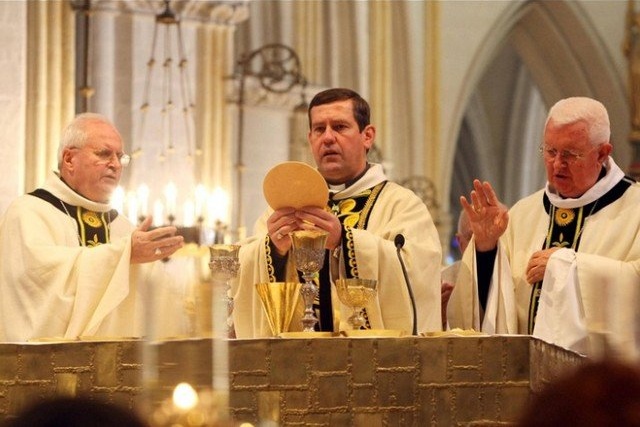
(564,263)
(70,266)
(365,216)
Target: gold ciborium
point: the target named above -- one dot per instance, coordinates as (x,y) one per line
(356,294)
(308,253)
(279,301)
(224,265)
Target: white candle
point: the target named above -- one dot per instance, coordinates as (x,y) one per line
(217,206)
(171,196)
(188,214)
(117,199)
(143,199)
(201,200)
(132,207)
(158,213)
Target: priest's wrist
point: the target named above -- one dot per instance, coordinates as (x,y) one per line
(276,251)
(486,246)
(337,244)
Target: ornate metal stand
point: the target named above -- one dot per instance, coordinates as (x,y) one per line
(308,252)
(224,265)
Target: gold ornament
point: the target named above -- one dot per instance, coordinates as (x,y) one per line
(92,219)
(564,216)
(351,220)
(347,205)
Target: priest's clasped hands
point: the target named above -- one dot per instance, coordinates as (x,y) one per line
(286,220)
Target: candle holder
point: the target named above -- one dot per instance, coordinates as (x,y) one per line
(308,252)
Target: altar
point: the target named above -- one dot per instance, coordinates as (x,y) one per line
(439,381)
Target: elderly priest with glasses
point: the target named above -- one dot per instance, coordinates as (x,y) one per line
(70,266)
(563,264)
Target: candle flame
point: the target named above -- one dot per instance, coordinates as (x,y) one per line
(185,397)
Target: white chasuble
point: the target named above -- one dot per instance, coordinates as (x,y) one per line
(589,295)
(397,210)
(52,287)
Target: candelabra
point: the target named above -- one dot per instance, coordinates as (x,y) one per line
(161,170)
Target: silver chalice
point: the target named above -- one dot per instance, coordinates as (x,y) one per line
(308,252)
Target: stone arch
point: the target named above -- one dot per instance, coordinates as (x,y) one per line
(553,51)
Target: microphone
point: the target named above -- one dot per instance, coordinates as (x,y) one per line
(399,242)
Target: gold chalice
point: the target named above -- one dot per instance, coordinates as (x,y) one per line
(356,294)
(279,301)
(308,253)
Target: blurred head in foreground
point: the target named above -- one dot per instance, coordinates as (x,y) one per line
(598,394)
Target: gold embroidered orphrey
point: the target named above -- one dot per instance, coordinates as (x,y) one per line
(564,216)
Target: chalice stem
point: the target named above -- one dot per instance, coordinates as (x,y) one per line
(356,320)
(308,251)
(309,293)
(229,300)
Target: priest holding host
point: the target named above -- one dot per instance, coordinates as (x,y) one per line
(563,264)
(70,266)
(367,218)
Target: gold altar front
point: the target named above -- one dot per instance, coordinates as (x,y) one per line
(335,381)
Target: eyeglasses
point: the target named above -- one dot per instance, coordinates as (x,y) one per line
(567,156)
(106,156)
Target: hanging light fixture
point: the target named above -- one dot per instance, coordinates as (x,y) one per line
(165,148)
(165,21)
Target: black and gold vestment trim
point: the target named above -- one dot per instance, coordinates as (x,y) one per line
(354,212)
(93,227)
(565,230)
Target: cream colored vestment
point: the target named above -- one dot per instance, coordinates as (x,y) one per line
(591,293)
(51,287)
(396,211)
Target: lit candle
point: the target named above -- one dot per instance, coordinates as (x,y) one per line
(117,199)
(217,206)
(132,207)
(185,397)
(143,199)
(158,213)
(171,196)
(189,216)
(201,199)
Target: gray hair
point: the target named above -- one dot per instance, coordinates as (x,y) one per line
(75,134)
(572,110)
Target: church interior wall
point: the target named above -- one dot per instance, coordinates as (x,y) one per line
(461,55)
(467,100)
(12,100)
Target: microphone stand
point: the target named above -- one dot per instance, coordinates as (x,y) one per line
(399,242)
